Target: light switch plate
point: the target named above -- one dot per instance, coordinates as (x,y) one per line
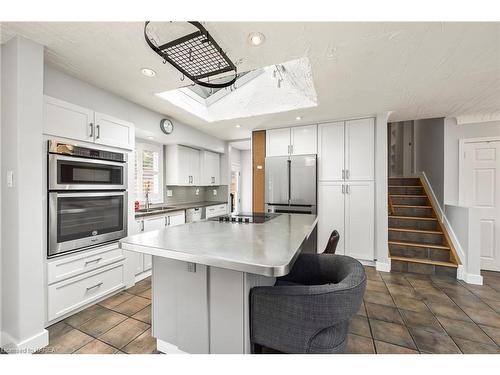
(215,191)
(197,191)
(10,179)
(169,193)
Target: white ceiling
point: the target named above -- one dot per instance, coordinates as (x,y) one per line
(415,70)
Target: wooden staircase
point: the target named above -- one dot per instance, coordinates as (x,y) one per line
(418,242)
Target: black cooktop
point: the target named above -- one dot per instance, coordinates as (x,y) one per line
(245,218)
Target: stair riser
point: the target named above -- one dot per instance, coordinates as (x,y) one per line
(404,181)
(410,201)
(424,269)
(413,224)
(419,252)
(422,238)
(415,190)
(412,211)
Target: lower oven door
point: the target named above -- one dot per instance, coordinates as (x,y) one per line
(291,209)
(79,220)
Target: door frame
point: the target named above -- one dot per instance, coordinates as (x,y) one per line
(461,150)
(236,167)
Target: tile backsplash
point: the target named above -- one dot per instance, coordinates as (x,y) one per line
(187,194)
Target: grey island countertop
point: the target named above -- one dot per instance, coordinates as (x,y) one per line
(268,249)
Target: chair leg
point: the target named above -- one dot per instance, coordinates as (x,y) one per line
(256,349)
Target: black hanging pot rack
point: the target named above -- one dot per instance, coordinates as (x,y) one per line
(197,56)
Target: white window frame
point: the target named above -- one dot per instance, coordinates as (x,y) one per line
(141,146)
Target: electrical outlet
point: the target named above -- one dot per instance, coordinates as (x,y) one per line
(197,191)
(215,191)
(10,179)
(169,193)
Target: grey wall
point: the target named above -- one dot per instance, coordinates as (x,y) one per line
(452,135)
(23,302)
(187,194)
(147,123)
(429,153)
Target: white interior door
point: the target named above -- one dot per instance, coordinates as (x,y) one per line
(480,187)
(331,151)
(360,220)
(360,149)
(330,214)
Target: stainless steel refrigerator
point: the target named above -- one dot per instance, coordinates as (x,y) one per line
(291,184)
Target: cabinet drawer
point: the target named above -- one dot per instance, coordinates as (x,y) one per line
(73,293)
(64,268)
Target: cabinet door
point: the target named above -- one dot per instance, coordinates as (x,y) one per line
(210,168)
(360,220)
(177,219)
(331,151)
(154,223)
(194,166)
(135,259)
(67,120)
(330,214)
(278,142)
(215,163)
(360,149)
(183,158)
(114,132)
(304,140)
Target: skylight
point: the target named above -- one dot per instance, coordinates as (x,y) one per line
(272,89)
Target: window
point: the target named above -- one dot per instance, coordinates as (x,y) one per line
(149,172)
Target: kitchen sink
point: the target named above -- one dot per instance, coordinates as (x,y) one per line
(154,209)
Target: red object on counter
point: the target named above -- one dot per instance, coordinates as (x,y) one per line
(137,205)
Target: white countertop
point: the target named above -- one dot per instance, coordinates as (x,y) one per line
(268,249)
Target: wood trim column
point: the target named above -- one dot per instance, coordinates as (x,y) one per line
(258,170)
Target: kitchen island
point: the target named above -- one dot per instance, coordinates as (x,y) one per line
(203,272)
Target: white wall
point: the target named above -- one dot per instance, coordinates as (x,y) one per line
(147,123)
(246,180)
(23,302)
(429,153)
(452,135)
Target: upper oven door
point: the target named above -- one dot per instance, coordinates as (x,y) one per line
(73,173)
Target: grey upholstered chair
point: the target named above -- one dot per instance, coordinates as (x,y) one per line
(308,310)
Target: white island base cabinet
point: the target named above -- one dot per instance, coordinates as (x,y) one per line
(201,309)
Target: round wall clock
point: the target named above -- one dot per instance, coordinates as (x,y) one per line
(166,126)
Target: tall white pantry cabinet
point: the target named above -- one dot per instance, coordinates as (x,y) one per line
(346,173)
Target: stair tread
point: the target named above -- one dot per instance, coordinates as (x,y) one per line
(406,186)
(417,244)
(409,195)
(416,230)
(412,217)
(424,261)
(411,206)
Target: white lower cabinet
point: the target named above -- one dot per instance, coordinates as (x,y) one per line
(349,209)
(144,262)
(76,280)
(217,210)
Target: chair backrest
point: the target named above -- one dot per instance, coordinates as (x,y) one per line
(333,241)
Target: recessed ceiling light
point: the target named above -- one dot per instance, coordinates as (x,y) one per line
(148,72)
(256,38)
(298,118)
(151,137)
(238,126)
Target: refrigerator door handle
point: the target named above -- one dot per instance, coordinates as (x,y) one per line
(289,162)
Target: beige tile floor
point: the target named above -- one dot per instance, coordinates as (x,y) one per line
(401,313)
(119,324)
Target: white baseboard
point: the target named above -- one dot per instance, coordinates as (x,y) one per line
(168,348)
(369,263)
(28,346)
(142,276)
(469,278)
(383,267)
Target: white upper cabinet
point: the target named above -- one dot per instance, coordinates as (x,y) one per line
(182,166)
(278,142)
(111,131)
(346,150)
(210,168)
(360,149)
(299,140)
(62,119)
(303,140)
(331,151)
(66,120)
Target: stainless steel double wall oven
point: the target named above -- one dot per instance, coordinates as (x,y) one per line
(87,197)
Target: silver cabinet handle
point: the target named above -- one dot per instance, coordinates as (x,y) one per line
(98,135)
(291,147)
(343,189)
(95,286)
(347,174)
(142,226)
(96,260)
(91,130)
(168,220)
(348,189)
